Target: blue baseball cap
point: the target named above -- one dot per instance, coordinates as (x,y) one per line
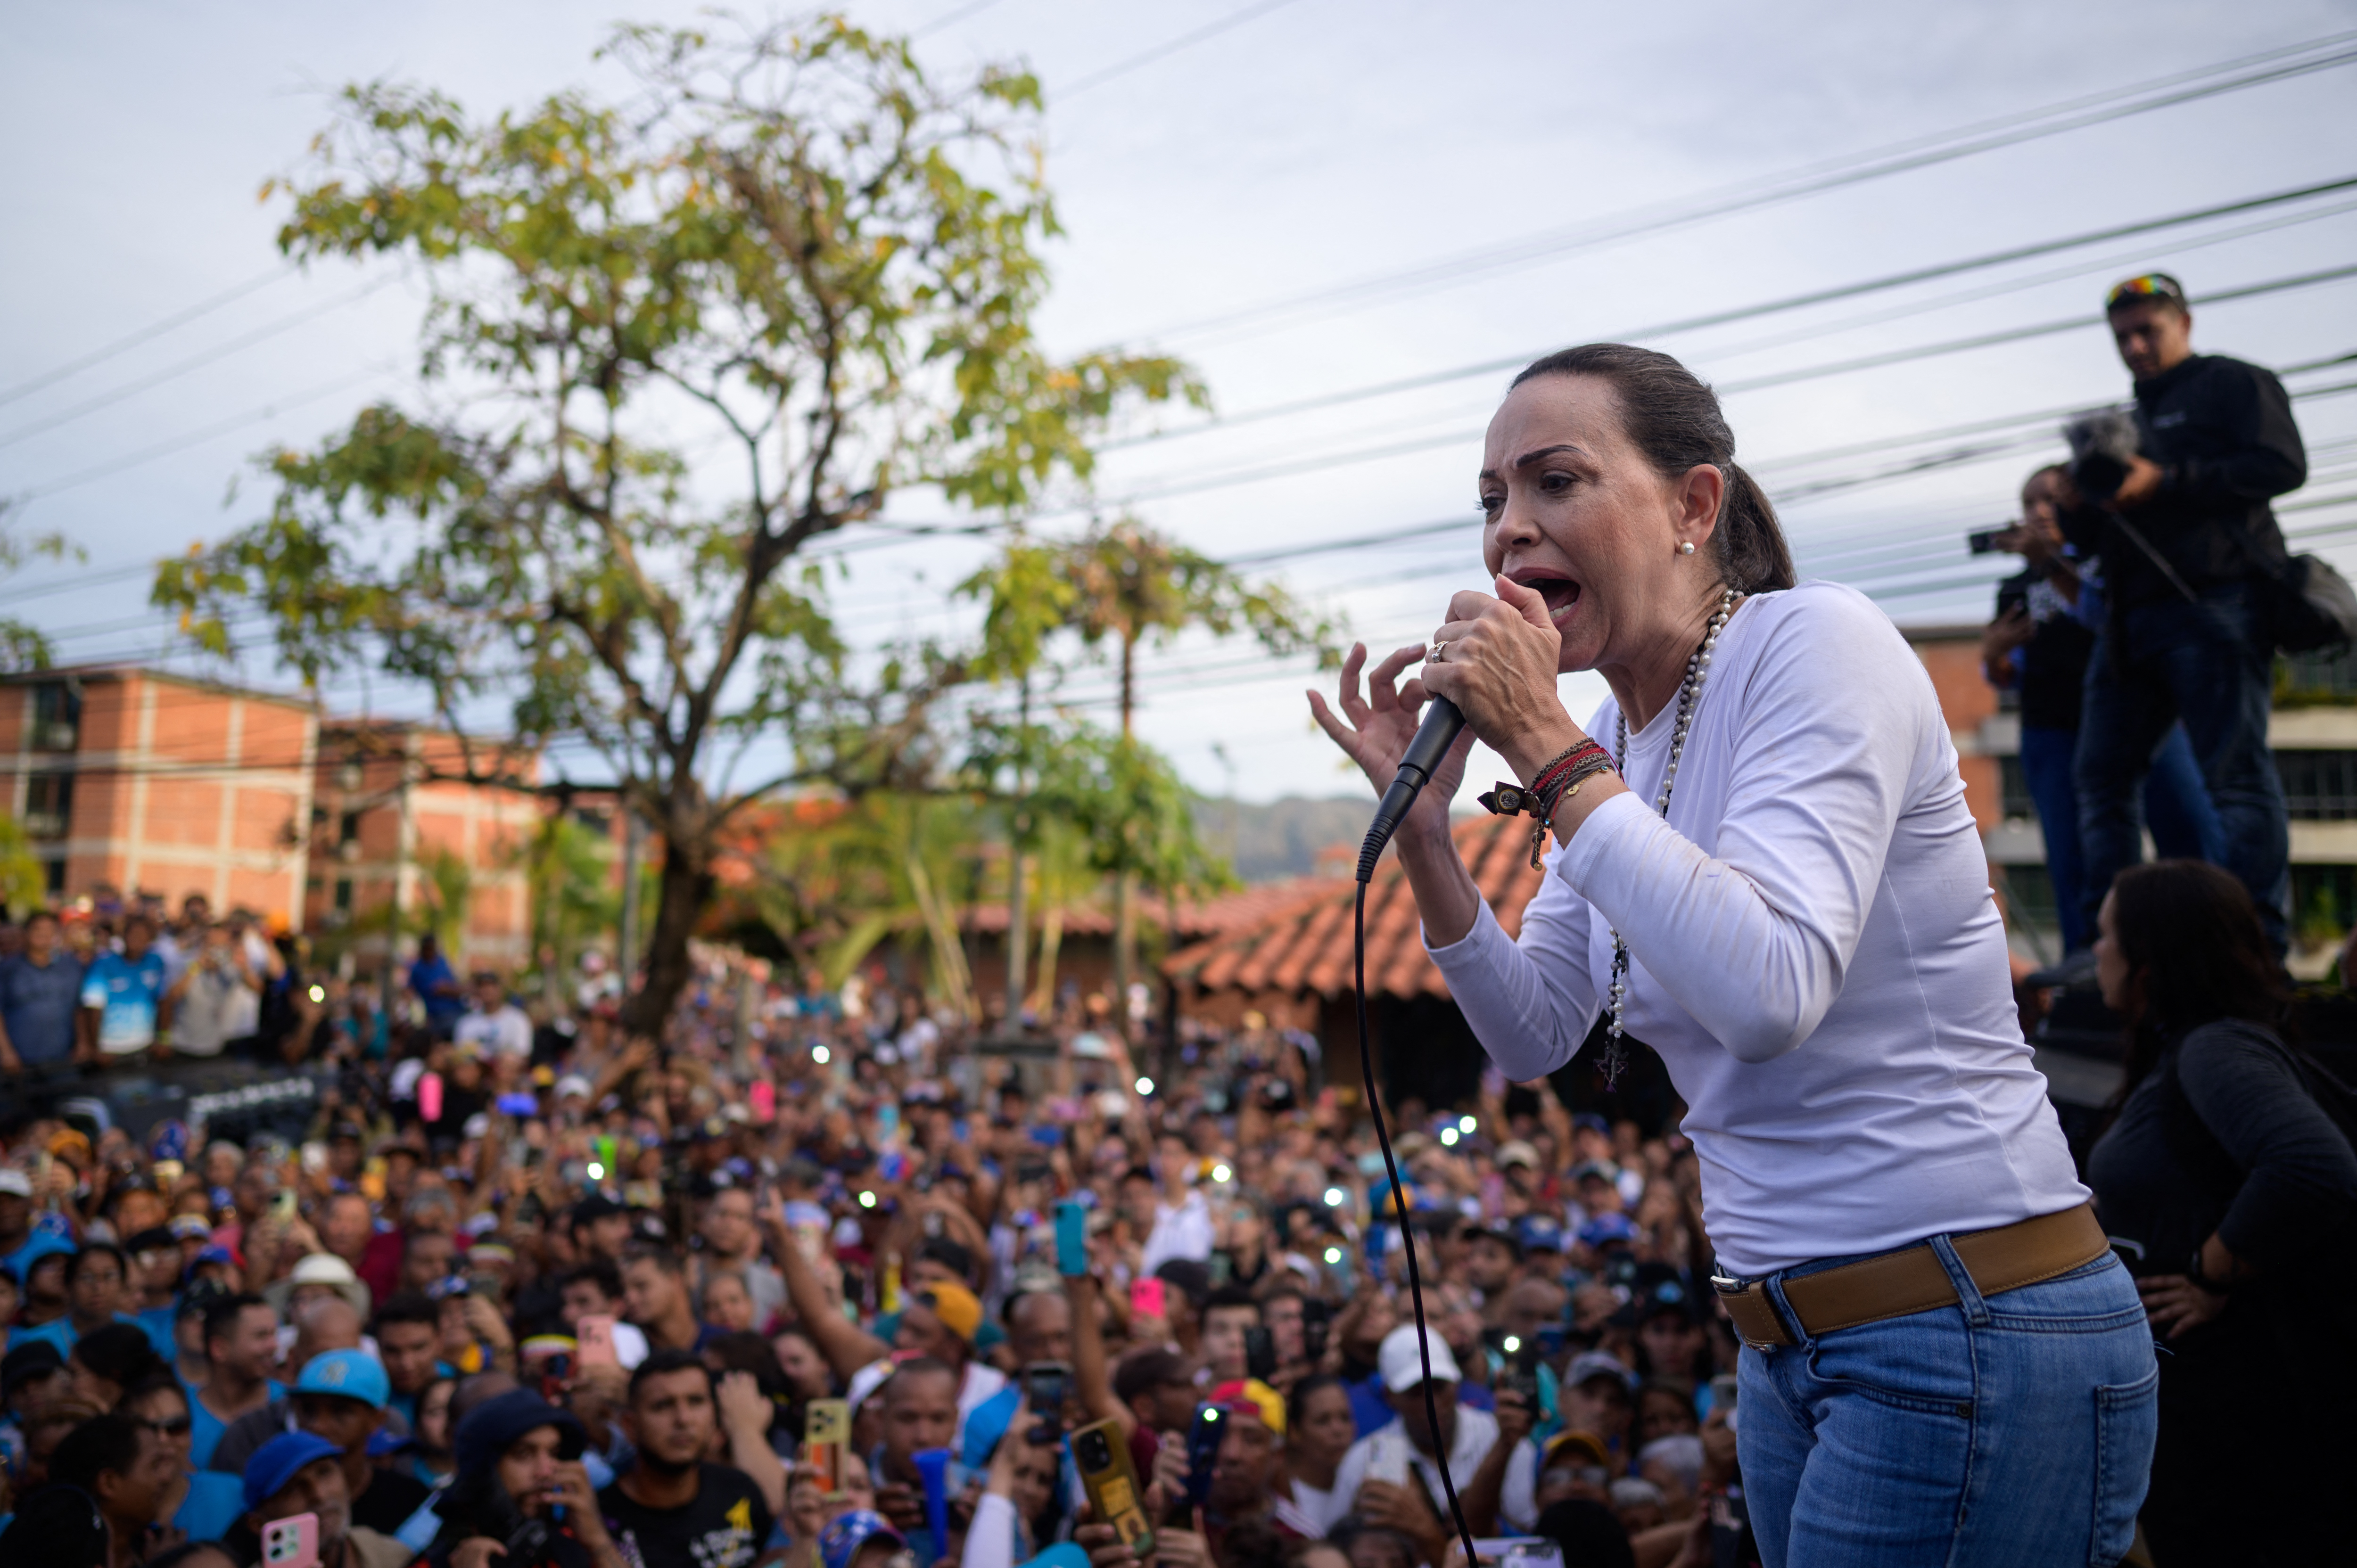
(1605,1228)
(278,1461)
(498,1421)
(1537,1233)
(840,1542)
(349,1374)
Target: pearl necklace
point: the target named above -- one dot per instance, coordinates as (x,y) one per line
(1689,695)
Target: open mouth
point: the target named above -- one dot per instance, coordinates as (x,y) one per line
(1559,591)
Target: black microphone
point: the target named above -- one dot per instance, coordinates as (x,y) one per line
(1433,738)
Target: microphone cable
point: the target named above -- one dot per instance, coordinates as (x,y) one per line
(1399,1197)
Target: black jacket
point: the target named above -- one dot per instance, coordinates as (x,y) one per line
(2223,434)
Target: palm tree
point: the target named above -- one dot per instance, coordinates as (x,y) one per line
(1130,583)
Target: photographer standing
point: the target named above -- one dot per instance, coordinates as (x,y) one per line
(2038,645)
(2187,542)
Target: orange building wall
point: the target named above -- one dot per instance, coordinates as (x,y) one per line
(179,787)
(1967,699)
(397,831)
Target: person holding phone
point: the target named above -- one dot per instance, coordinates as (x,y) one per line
(1018,1508)
(299,1473)
(520,1466)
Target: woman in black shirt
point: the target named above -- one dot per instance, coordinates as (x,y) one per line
(2233,1191)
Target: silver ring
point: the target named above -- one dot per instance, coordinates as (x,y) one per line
(1435,656)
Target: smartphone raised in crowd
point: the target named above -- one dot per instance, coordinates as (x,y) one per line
(1149,1297)
(826,1427)
(1203,1441)
(1072,1239)
(594,1342)
(291,1542)
(1101,1453)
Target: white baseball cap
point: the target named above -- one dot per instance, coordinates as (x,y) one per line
(16,1181)
(1403,1366)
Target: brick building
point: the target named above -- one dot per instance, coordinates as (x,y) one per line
(2313,733)
(146,781)
(393,832)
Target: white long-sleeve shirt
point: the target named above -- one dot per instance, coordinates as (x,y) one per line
(1813,950)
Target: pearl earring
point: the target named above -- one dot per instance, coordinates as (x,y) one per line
(1685,546)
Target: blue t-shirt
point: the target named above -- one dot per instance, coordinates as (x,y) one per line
(37,1004)
(205,1428)
(38,1245)
(59,1332)
(424,976)
(159,1321)
(1368,1406)
(127,992)
(216,1501)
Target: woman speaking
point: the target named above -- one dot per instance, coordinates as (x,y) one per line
(1765,870)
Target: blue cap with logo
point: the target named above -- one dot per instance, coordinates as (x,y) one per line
(351,1374)
(840,1542)
(278,1461)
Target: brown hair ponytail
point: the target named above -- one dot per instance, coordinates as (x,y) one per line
(1676,421)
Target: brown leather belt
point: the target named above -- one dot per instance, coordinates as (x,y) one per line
(1893,1285)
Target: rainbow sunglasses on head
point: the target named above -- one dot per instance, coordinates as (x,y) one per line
(2146,285)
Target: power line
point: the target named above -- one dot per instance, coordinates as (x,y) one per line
(145,334)
(195,362)
(951,18)
(1134,62)
(198,436)
(2227,76)
(1152,489)
(2010,335)
(1751,311)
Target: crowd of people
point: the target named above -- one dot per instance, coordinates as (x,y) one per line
(828,1278)
(376,1318)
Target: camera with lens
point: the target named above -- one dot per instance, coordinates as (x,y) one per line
(2103,446)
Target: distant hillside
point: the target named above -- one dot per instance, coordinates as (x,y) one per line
(1281,839)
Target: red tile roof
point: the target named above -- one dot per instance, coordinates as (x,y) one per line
(1212,918)
(1303,944)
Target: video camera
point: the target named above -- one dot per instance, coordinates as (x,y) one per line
(2102,443)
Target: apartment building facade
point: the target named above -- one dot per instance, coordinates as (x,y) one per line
(138,780)
(134,781)
(2313,734)
(400,841)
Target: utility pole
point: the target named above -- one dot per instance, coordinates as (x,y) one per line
(1018,935)
(634,838)
(395,904)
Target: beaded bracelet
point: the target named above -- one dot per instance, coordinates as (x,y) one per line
(1555,783)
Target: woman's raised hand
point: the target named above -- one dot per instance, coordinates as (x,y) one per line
(1374,729)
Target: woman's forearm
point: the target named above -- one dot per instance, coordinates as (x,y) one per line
(1445,898)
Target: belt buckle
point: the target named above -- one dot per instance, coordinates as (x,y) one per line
(1753,1315)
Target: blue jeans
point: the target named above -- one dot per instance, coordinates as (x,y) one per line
(2210,664)
(2015,1430)
(2176,807)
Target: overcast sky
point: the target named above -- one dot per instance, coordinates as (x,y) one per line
(1313,146)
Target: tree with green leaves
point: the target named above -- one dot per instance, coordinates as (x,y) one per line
(1028,598)
(24,881)
(569,872)
(24,646)
(1132,586)
(680,339)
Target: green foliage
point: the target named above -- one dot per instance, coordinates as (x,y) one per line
(24,884)
(1130,583)
(1129,806)
(890,862)
(23,646)
(570,872)
(676,337)
(449,890)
